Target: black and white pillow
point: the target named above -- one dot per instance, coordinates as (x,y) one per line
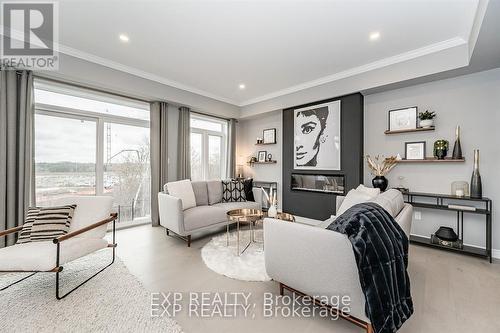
(233,191)
(24,234)
(46,223)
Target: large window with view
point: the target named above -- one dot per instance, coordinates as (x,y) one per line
(89,143)
(208,147)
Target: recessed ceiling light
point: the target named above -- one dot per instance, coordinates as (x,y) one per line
(124,38)
(374,35)
(242,86)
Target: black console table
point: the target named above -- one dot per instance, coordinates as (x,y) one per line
(441,202)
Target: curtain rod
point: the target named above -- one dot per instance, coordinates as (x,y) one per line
(77,85)
(209,115)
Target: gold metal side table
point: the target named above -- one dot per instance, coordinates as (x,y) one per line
(248,216)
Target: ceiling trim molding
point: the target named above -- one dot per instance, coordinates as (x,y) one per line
(61,48)
(424,51)
(413,54)
(140,73)
(482,6)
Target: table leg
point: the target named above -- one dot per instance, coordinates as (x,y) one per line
(238,237)
(252,232)
(227,233)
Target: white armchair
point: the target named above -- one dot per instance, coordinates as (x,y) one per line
(85,236)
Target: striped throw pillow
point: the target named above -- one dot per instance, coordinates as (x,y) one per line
(51,222)
(24,234)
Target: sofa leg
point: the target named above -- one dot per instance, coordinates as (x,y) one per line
(168,232)
(282,291)
(369,328)
(189,240)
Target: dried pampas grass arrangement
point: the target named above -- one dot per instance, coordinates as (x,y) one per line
(381,166)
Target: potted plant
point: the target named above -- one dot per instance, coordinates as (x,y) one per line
(380,166)
(427,118)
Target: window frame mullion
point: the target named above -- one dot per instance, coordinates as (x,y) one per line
(100,157)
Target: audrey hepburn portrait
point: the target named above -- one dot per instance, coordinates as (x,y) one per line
(317,137)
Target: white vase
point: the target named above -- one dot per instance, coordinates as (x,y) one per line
(427,123)
(272,211)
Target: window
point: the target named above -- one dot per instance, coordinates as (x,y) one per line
(89,143)
(65,164)
(208,148)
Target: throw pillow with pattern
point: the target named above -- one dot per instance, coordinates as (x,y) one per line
(233,191)
(24,234)
(51,222)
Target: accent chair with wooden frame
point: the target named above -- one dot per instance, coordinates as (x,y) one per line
(86,235)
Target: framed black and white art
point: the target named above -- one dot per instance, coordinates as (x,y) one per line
(415,150)
(261,156)
(403,119)
(317,137)
(269,135)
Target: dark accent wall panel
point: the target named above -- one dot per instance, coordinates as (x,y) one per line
(321,205)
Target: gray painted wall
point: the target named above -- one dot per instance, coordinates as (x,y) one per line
(248,131)
(471,101)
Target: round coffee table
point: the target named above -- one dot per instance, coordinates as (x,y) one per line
(245,215)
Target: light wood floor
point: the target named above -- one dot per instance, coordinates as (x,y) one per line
(451,292)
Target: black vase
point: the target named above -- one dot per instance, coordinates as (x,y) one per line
(476,186)
(457,149)
(380,182)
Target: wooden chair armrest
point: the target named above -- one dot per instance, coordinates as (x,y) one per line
(11,230)
(59,239)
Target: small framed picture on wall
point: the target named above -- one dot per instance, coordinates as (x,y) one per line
(415,150)
(269,135)
(261,156)
(403,119)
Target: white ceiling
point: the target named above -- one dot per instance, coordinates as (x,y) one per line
(273,47)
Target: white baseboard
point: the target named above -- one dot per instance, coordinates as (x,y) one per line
(494,252)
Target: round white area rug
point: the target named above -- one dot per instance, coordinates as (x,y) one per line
(222,259)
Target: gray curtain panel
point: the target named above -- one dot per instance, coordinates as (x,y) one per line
(184,149)
(231,149)
(159,154)
(17,181)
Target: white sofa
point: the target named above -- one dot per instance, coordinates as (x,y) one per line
(314,261)
(209,212)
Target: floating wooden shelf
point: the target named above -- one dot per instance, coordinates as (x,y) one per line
(265,144)
(266,162)
(419,129)
(432,160)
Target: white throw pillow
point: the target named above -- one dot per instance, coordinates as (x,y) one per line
(183,190)
(391,200)
(368,190)
(354,197)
